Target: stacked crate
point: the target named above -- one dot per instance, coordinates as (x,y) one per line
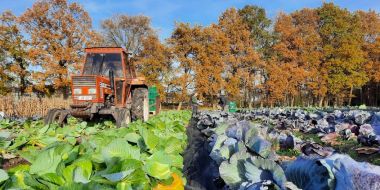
(153,100)
(232,107)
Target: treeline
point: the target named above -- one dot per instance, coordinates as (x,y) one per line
(320,57)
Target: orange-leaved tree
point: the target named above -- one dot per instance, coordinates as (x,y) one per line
(241,59)
(298,52)
(309,56)
(59,31)
(209,62)
(275,84)
(154,63)
(287,58)
(370,25)
(184,46)
(13,46)
(343,55)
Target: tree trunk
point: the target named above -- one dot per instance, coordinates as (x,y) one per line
(361,95)
(321,101)
(377,95)
(326,102)
(65,92)
(350,97)
(300,101)
(250,100)
(292,101)
(22,85)
(179,106)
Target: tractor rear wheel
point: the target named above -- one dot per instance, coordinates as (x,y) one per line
(122,117)
(140,104)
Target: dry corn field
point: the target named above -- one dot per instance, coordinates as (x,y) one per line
(30,106)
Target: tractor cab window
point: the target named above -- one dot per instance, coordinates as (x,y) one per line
(127,68)
(102,63)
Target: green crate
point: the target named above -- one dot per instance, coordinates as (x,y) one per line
(152,105)
(152,92)
(232,107)
(152,95)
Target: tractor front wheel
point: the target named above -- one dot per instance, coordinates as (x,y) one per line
(56,115)
(122,117)
(140,104)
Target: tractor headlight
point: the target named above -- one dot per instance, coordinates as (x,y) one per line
(92,91)
(77,91)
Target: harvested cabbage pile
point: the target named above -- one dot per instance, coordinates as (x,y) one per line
(93,156)
(246,150)
(242,154)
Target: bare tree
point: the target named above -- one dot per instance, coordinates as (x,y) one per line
(127,31)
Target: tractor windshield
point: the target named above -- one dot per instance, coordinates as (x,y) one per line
(102,63)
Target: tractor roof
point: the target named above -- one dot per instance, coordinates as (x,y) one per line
(105,50)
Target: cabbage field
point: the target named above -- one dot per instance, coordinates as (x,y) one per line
(279,148)
(84,155)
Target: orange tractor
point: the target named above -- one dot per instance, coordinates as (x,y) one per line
(106,88)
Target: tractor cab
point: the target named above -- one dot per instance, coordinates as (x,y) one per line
(102,63)
(107,75)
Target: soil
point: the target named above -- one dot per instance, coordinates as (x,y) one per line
(7,164)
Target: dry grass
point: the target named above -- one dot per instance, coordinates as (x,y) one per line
(31,106)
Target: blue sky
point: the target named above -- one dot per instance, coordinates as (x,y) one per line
(164,13)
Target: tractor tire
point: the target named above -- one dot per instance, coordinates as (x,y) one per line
(48,118)
(55,115)
(123,117)
(140,104)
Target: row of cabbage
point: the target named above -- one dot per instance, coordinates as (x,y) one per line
(94,156)
(244,145)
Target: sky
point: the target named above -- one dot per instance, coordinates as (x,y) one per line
(165,13)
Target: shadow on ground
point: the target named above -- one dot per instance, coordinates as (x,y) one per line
(200,170)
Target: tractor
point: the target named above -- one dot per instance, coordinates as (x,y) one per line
(106,88)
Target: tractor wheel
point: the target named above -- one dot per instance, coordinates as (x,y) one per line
(122,117)
(49,116)
(140,104)
(55,115)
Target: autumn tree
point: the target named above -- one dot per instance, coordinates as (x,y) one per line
(310,57)
(321,49)
(127,31)
(275,83)
(4,87)
(307,57)
(240,59)
(286,60)
(342,51)
(200,53)
(154,62)
(298,53)
(370,25)
(14,64)
(59,31)
(183,46)
(259,26)
(209,67)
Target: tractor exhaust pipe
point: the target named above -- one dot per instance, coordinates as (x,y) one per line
(112,82)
